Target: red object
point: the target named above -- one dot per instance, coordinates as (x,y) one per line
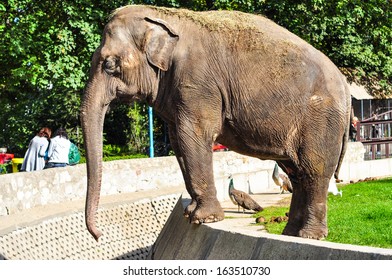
(219,147)
(4,158)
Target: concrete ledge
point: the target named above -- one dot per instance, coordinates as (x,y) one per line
(129,230)
(181,240)
(150,225)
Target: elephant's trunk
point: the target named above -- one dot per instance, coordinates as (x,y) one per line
(92,117)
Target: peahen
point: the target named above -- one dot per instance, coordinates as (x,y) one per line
(285,185)
(281,180)
(242,199)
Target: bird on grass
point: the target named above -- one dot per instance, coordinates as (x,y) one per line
(242,199)
(333,188)
(281,180)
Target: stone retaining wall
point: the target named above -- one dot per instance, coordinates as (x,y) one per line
(25,190)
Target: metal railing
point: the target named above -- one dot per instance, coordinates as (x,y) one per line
(376,135)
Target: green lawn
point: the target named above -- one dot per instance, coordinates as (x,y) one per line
(362,216)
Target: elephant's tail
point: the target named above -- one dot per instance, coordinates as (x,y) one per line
(343,151)
(350,115)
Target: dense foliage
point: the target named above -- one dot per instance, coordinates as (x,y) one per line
(356,35)
(46,47)
(45,52)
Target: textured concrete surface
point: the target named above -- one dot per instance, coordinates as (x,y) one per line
(130,228)
(238,239)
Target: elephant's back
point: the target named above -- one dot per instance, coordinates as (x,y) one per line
(239,30)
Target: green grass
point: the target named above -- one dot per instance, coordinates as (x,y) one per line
(273,211)
(362,216)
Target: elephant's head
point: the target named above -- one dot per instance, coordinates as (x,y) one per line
(134,49)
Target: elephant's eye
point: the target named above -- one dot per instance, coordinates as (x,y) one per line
(110,65)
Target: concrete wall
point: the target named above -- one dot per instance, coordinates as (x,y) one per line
(154,228)
(137,198)
(179,240)
(20,191)
(24,190)
(129,230)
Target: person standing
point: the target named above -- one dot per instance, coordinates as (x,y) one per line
(58,149)
(34,158)
(353,129)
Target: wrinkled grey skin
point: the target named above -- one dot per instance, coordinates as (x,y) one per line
(229,77)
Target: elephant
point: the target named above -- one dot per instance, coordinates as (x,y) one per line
(229,77)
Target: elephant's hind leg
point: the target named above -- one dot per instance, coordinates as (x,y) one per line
(296,213)
(308,210)
(315,218)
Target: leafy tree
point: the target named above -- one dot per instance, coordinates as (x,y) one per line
(46,48)
(356,35)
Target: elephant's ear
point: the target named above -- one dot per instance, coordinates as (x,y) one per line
(161,40)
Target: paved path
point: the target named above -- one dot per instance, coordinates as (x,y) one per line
(243,222)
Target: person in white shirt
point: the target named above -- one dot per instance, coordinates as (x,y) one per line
(58,149)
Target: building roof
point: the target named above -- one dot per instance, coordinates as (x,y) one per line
(359,92)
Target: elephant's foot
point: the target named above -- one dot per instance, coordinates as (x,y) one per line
(207,213)
(190,208)
(291,230)
(315,226)
(319,232)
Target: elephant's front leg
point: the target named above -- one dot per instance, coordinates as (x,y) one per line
(197,156)
(180,159)
(208,208)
